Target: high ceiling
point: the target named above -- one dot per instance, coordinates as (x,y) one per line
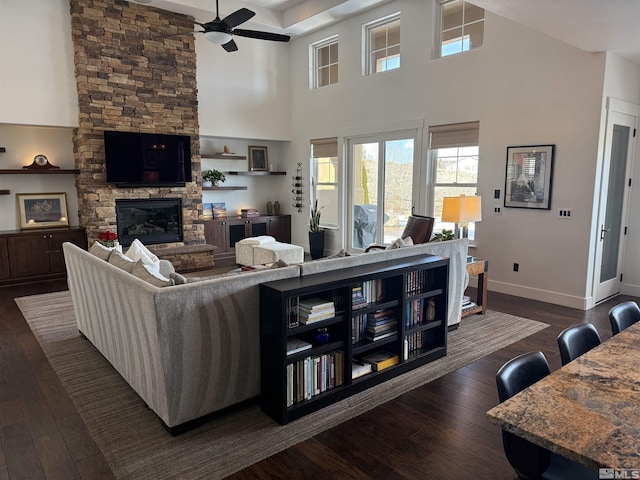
(592,25)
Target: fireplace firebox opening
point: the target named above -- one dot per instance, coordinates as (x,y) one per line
(151,220)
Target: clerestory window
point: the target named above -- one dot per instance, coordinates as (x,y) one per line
(461,27)
(382,45)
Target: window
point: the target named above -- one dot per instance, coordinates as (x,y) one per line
(382,45)
(324,62)
(454,166)
(324,179)
(461,27)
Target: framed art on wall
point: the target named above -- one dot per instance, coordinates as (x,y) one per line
(528,176)
(42,210)
(258,160)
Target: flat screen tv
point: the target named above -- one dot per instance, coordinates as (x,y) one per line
(147,159)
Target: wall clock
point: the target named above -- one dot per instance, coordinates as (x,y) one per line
(40,162)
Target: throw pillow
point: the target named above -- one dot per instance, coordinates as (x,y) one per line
(137,251)
(182,280)
(178,279)
(146,273)
(280,263)
(340,254)
(100,251)
(260,240)
(121,261)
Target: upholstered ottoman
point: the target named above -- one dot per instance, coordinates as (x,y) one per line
(244,248)
(272,252)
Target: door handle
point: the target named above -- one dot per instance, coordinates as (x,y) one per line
(603,232)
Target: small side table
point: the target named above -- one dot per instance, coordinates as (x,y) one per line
(480,268)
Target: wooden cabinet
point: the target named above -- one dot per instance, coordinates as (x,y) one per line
(343,318)
(37,254)
(4,260)
(224,233)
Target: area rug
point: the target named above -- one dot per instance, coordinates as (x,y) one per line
(136,445)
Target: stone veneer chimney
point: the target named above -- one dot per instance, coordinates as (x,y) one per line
(132,77)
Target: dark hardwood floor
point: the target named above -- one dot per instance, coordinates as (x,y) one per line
(438,431)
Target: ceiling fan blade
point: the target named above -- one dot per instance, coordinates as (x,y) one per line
(276,37)
(238,17)
(230,46)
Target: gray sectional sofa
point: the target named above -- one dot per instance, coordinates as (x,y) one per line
(193,349)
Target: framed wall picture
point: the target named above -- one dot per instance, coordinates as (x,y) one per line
(528,177)
(258,160)
(42,210)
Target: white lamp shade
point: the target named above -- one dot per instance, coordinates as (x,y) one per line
(462,209)
(219,38)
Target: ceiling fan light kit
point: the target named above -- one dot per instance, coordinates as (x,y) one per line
(219,38)
(221,32)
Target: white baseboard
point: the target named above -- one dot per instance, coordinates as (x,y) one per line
(556,298)
(633,290)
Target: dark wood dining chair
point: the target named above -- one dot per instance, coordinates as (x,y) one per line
(623,316)
(530,461)
(576,340)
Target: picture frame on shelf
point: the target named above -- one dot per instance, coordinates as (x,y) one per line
(42,210)
(529,175)
(258,159)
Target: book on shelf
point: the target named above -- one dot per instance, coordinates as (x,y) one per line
(360,369)
(315,303)
(379,336)
(314,375)
(295,345)
(249,212)
(381,360)
(305,319)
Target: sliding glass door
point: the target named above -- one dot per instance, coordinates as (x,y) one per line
(381,178)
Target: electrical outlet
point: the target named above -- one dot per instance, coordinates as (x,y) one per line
(565,213)
(497,210)
(516,267)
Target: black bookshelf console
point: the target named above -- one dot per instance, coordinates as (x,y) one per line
(339,321)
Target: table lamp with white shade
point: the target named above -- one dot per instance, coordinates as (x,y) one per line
(462,210)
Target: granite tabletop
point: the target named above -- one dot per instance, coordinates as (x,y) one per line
(589,410)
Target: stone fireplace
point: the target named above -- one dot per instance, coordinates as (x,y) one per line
(151,220)
(130,78)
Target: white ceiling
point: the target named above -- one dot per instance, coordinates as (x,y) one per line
(592,25)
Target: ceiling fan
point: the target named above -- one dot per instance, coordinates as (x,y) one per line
(220,32)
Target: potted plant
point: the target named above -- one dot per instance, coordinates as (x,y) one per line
(212,177)
(316,234)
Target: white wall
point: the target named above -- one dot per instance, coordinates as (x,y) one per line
(525,89)
(37,84)
(244,94)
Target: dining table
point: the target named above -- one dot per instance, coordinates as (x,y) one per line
(588,410)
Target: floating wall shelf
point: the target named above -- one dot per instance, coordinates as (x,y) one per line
(52,171)
(220,156)
(4,192)
(235,187)
(257,173)
(3,149)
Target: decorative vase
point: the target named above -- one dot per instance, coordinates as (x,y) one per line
(269,208)
(207,183)
(276,207)
(316,244)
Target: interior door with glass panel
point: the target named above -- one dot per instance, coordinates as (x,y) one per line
(382,171)
(613,205)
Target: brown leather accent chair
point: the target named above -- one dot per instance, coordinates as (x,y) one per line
(418,227)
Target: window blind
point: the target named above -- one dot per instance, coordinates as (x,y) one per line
(454,135)
(325,147)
